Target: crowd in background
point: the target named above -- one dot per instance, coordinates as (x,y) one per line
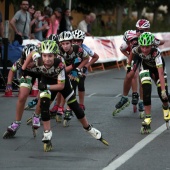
(31,23)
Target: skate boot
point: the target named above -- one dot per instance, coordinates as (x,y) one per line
(67,117)
(146,128)
(166,115)
(124,102)
(96,134)
(82,106)
(53,111)
(141,110)
(60,113)
(47,141)
(35,124)
(135,98)
(31,104)
(11,130)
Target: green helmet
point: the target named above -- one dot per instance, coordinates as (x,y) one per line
(146,39)
(49,46)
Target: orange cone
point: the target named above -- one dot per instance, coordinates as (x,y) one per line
(9,94)
(35,90)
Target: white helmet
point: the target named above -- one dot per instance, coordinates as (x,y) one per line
(78,34)
(28,49)
(65,36)
(143,23)
(129,35)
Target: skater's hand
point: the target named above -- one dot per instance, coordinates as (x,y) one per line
(128,68)
(84,69)
(24,73)
(163,94)
(79,72)
(42,86)
(8,87)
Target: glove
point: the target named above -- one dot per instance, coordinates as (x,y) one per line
(79,72)
(42,86)
(8,87)
(84,69)
(128,68)
(163,94)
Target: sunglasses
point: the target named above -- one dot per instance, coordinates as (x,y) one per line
(141,31)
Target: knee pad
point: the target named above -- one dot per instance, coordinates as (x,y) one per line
(146,94)
(145,77)
(26,82)
(45,98)
(77,109)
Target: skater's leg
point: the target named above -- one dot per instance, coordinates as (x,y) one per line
(81,92)
(23,95)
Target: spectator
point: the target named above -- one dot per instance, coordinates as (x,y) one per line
(92,19)
(71,21)
(20,23)
(65,24)
(1,26)
(46,20)
(54,22)
(39,26)
(83,25)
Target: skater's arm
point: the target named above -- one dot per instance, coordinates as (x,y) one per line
(161,77)
(130,58)
(31,57)
(94,58)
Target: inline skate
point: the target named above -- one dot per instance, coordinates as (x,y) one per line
(47,140)
(146,128)
(53,111)
(135,98)
(35,123)
(67,117)
(96,134)
(11,130)
(31,104)
(59,114)
(166,115)
(124,102)
(141,110)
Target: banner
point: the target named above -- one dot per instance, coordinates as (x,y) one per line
(108,47)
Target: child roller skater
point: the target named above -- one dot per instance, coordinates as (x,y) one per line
(152,68)
(54,79)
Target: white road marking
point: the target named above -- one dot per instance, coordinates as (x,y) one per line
(118,95)
(91,94)
(136,148)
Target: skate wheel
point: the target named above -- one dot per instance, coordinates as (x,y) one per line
(66,123)
(47,147)
(134,108)
(8,135)
(29,121)
(26,107)
(59,118)
(115,112)
(104,142)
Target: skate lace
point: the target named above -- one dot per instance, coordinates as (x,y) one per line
(122,101)
(32,103)
(14,126)
(36,120)
(141,105)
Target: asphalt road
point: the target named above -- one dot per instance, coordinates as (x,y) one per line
(74,149)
